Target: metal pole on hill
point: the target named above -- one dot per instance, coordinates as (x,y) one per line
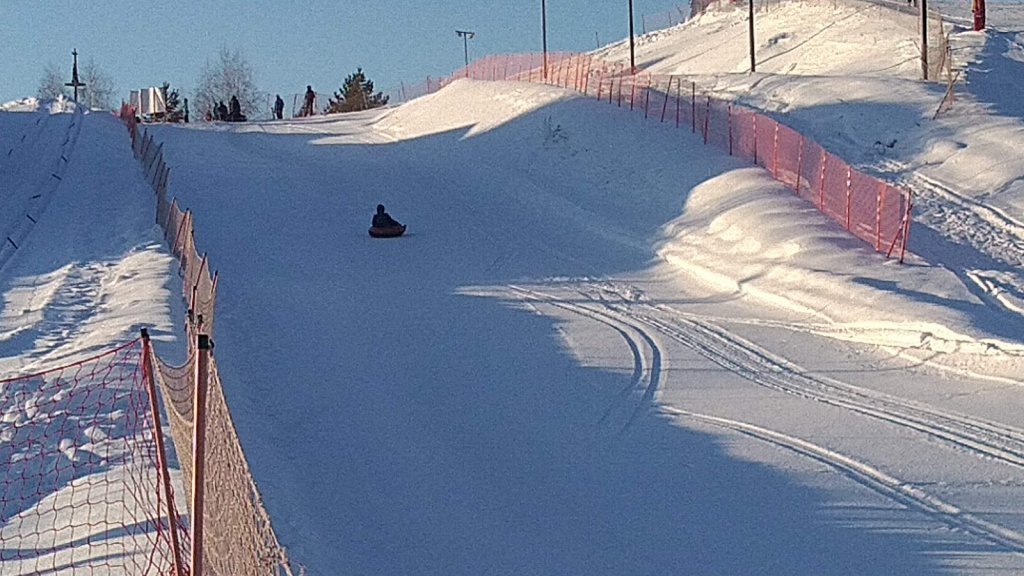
(632,53)
(924,39)
(750,18)
(544,35)
(465,35)
(202,378)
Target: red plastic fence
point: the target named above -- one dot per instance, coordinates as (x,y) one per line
(80,488)
(870,209)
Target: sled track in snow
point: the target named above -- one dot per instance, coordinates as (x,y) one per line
(875,480)
(717,346)
(973,435)
(988,230)
(738,355)
(623,328)
(968,220)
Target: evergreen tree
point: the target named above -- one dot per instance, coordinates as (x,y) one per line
(356,94)
(172,99)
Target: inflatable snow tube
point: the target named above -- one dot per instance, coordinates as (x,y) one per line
(387,231)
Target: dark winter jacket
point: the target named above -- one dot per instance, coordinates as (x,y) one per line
(384,220)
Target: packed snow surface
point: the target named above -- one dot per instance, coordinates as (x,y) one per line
(601,347)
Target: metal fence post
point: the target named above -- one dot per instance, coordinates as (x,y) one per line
(693,107)
(199,450)
(664,105)
(849,185)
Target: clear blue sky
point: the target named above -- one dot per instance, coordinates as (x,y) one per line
(290,45)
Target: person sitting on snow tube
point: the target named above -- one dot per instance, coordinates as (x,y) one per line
(384,220)
(384,226)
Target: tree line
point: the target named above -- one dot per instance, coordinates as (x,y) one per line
(228,75)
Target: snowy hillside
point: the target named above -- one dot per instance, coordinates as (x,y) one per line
(602,347)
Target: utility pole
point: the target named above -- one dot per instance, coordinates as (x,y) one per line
(544,35)
(632,52)
(924,39)
(753,64)
(465,35)
(74,75)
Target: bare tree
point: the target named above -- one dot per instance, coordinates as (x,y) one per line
(51,86)
(98,92)
(230,75)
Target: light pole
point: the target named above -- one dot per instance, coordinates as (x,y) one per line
(632,54)
(465,35)
(544,34)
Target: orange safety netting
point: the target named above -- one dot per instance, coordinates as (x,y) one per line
(870,209)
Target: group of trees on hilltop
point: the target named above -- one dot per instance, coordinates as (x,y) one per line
(228,75)
(98,91)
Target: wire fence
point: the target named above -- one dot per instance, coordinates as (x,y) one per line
(238,539)
(83,488)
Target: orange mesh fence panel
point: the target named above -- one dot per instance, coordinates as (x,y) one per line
(789,159)
(175,384)
(841,193)
(810,171)
(237,526)
(187,257)
(892,207)
(686,93)
(864,191)
(163,208)
(80,489)
(833,194)
(766,151)
(701,114)
(744,141)
(191,262)
(174,225)
(718,124)
(239,538)
(204,298)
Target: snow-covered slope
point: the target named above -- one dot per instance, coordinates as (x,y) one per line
(602,347)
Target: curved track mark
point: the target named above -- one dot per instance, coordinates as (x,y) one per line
(876,480)
(636,379)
